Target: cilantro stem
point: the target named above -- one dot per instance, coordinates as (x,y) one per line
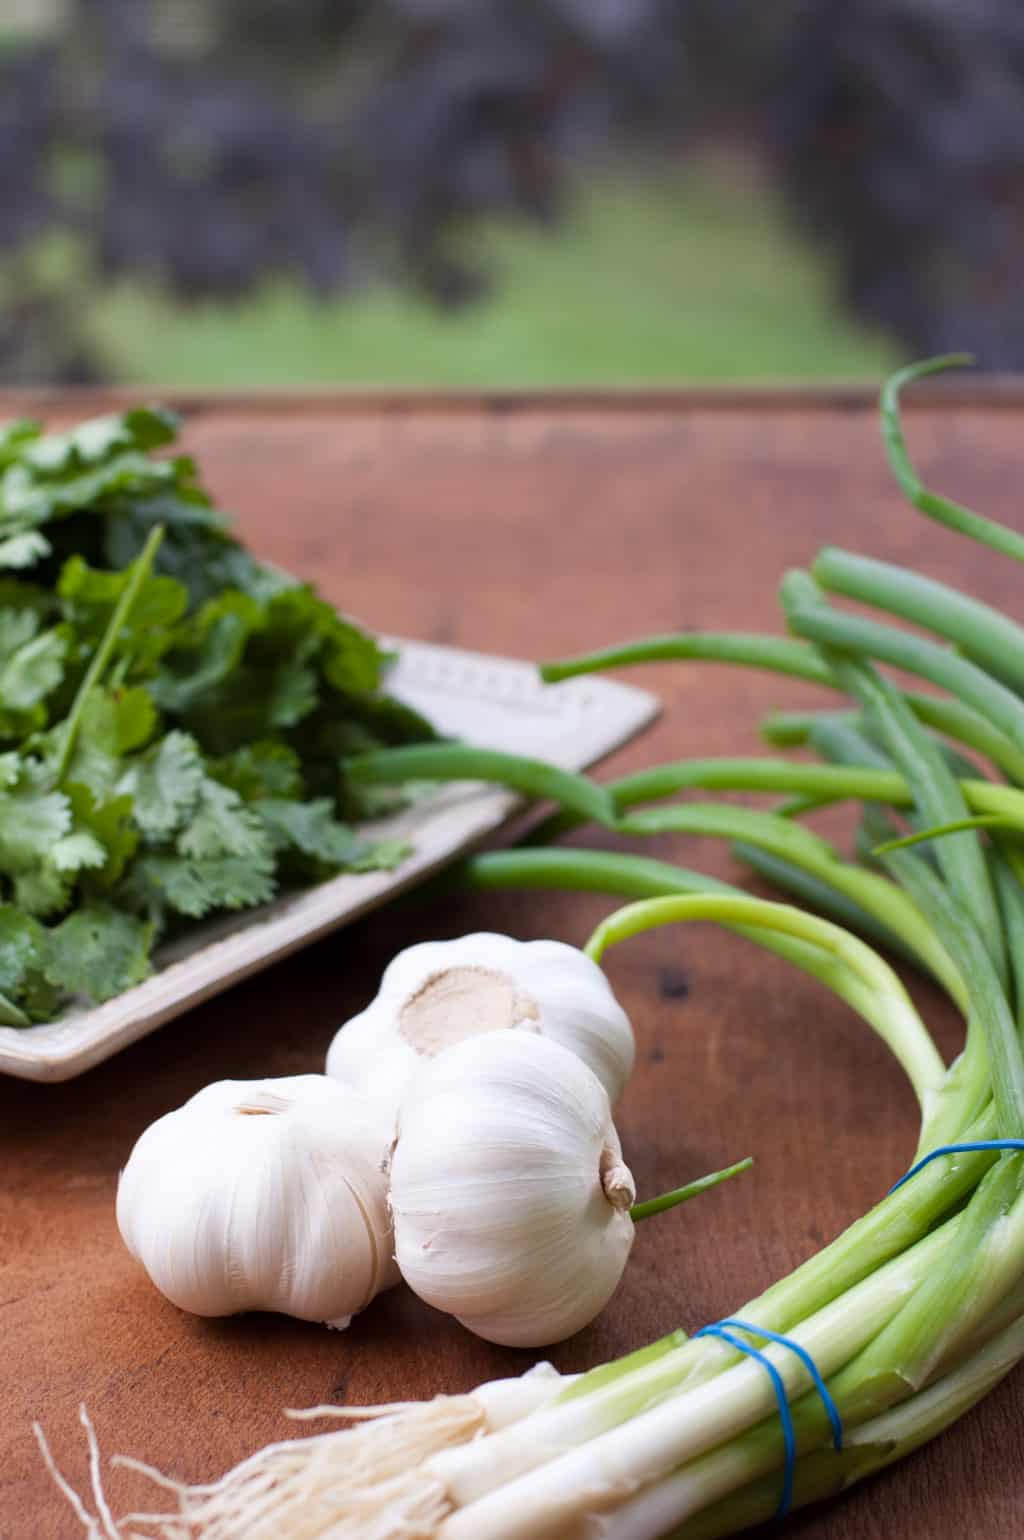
(140,571)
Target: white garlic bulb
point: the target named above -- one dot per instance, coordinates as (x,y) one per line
(440,992)
(263,1195)
(509,1196)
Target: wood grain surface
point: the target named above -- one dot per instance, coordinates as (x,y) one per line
(530,527)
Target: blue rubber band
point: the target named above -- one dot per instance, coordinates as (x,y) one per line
(958,1149)
(785,1415)
(812,1369)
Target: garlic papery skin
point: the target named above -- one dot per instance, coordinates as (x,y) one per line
(436,994)
(263,1195)
(509,1195)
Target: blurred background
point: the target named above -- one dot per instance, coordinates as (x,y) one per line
(536,192)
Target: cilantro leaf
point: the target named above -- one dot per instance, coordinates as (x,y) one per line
(109,825)
(31,821)
(10,769)
(195,888)
(353,660)
(223,825)
(380,856)
(292,695)
(21,943)
(112,723)
(17,626)
(89,598)
(78,851)
(12,1015)
(310,828)
(175,728)
(96,439)
(35,500)
(15,436)
(164,784)
(43,890)
(203,558)
(98,951)
(42,847)
(262,769)
(22,547)
(31,664)
(207,650)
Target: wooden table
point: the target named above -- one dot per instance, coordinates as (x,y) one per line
(531,527)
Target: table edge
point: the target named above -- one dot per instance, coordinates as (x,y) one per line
(989,391)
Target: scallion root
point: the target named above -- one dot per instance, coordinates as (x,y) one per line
(368,1480)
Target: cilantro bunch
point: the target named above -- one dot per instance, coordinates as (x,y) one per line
(173,714)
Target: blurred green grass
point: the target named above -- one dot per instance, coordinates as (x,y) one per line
(693,276)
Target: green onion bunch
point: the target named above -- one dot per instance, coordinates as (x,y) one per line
(917,1310)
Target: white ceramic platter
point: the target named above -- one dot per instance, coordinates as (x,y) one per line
(493,702)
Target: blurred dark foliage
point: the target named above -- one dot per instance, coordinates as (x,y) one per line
(207,145)
(900,138)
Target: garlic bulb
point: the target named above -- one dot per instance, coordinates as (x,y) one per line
(440,992)
(508,1192)
(263,1195)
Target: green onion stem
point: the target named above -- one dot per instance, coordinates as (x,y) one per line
(982,1264)
(645,1433)
(666,1200)
(717,1479)
(822,898)
(791,729)
(774,834)
(797,660)
(870,1447)
(140,571)
(990,1009)
(940,831)
(838,630)
(816,1477)
(900,1027)
(1011,898)
(938,796)
(798,806)
(985,635)
(847,743)
(968,1084)
(780,654)
(857,742)
(629,876)
(942,509)
(606,1374)
(769,775)
(533,778)
(832,782)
